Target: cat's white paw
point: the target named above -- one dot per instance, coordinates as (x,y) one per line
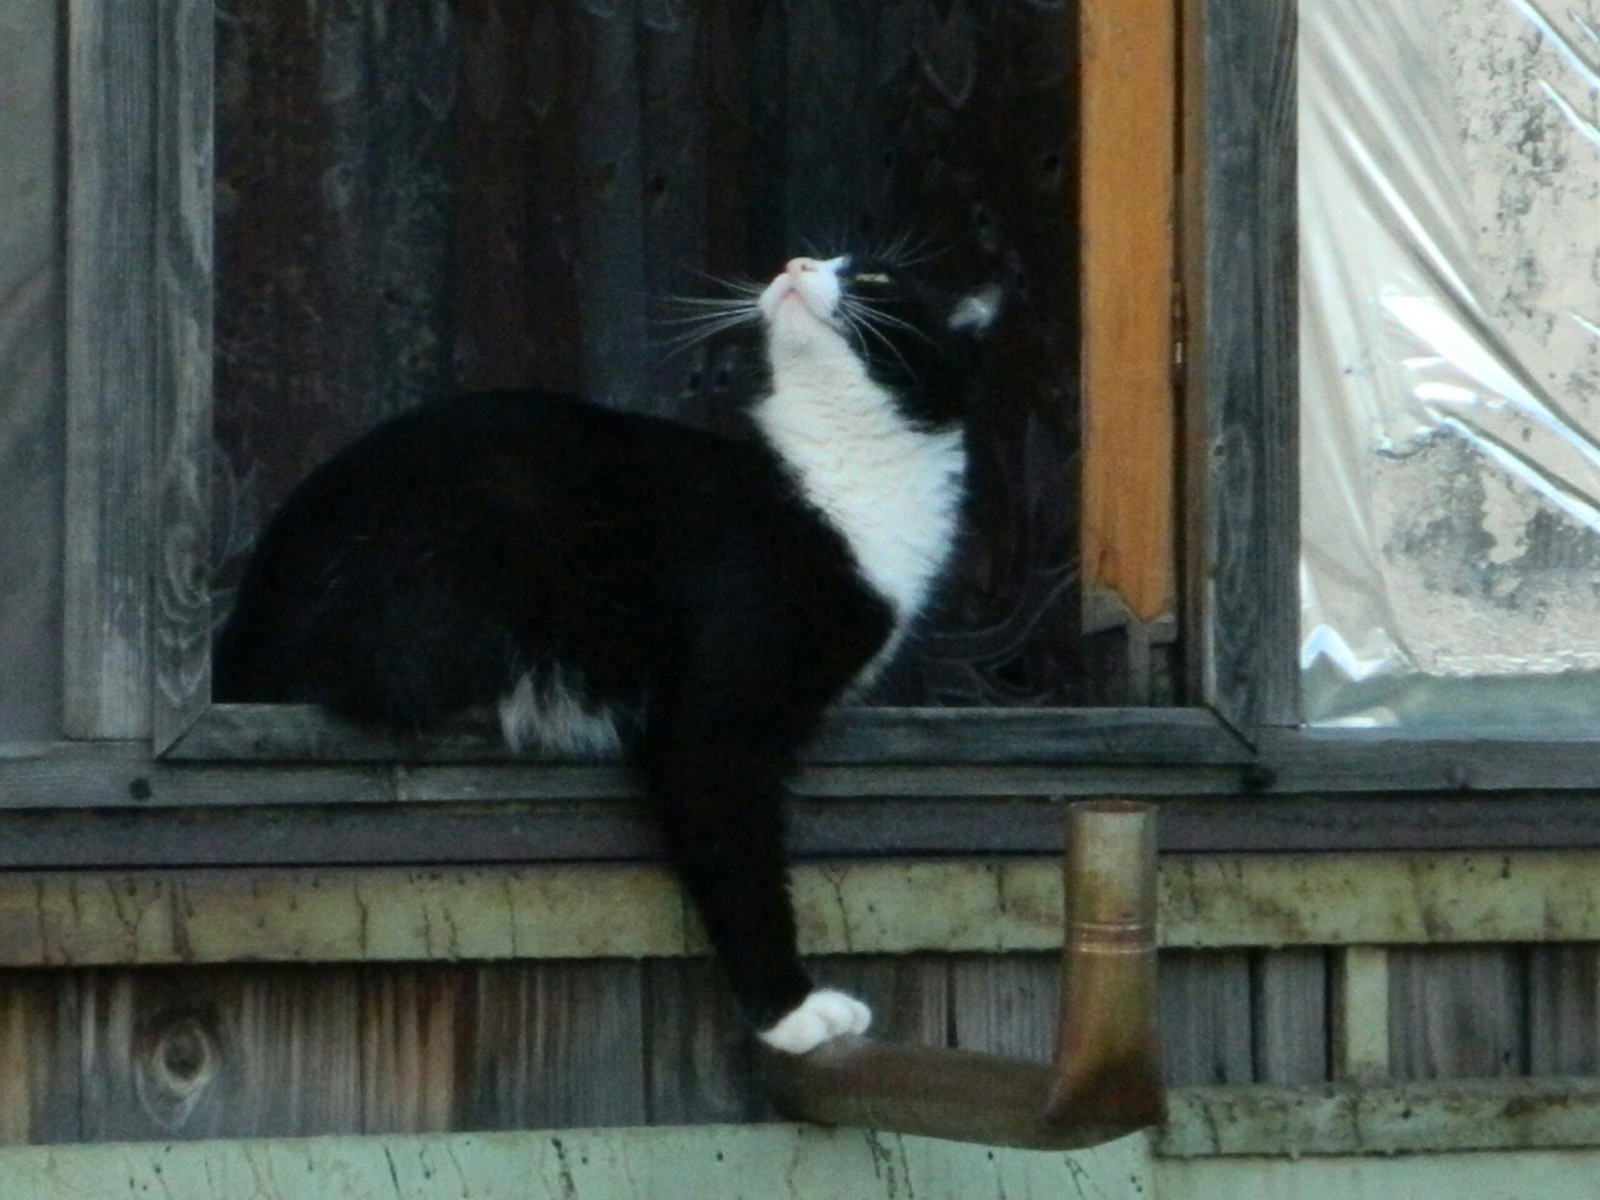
(823,1014)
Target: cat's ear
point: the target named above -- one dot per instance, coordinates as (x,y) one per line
(975,312)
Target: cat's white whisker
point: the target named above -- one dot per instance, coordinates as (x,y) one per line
(905,252)
(748,287)
(731,302)
(702,332)
(872,316)
(734,316)
(865,327)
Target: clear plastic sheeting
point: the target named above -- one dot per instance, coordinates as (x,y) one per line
(1450,364)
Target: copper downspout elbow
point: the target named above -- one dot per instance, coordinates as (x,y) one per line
(1106,1078)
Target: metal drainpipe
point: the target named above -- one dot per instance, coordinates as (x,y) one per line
(1106,1078)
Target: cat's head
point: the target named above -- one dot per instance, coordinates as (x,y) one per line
(910,334)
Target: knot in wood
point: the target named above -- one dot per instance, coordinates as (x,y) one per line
(179,1059)
(184,1055)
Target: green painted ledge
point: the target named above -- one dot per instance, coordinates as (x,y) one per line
(766,1162)
(770,1162)
(1526,1175)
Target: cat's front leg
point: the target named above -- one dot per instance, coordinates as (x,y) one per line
(717,785)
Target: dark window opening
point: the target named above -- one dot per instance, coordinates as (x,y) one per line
(444,197)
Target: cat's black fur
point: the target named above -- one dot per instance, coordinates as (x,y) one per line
(682,589)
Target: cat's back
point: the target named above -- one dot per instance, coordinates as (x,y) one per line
(456,467)
(466,441)
(460,521)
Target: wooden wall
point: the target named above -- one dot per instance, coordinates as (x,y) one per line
(361,243)
(1378,970)
(234,1051)
(31,394)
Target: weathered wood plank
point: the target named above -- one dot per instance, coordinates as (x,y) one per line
(716,1163)
(675,132)
(855,735)
(1363,760)
(40,1049)
(550,1044)
(616,912)
(830,120)
(1000,736)
(1564,1010)
(63,775)
(1244,366)
(1395,821)
(1457,1012)
(514,106)
(1007,1006)
(181,542)
(1185,753)
(904,812)
(849,907)
(1176,751)
(1281,762)
(111,776)
(1379,899)
(335,139)
(1360,1030)
(32,340)
(1467,1114)
(609,210)
(1205,1018)
(1289,995)
(111,255)
(220,1053)
(106,775)
(699,1064)
(1126,171)
(410,1030)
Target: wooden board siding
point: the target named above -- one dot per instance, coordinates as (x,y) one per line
(1241,502)
(1290,1015)
(32,391)
(992,906)
(164,1015)
(41,1086)
(221,1053)
(178,1053)
(1458,1011)
(1563,1010)
(238,1051)
(110,367)
(180,533)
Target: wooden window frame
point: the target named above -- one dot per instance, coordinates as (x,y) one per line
(176,780)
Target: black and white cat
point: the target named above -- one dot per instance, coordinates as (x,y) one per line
(619,584)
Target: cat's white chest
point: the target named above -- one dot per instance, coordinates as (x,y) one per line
(893,491)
